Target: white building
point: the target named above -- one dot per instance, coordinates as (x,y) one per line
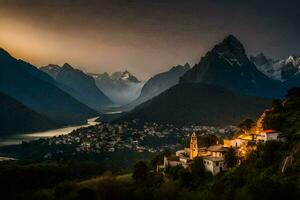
(214,165)
(267,135)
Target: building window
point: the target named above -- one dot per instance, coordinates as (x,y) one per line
(217,163)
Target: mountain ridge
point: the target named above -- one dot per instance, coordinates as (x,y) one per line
(40,92)
(281,70)
(79,85)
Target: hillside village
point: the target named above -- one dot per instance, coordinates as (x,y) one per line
(214,156)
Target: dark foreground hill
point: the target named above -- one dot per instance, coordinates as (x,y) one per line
(191,103)
(16,118)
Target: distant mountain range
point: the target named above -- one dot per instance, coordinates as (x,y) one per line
(158,84)
(287,71)
(121,87)
(197,103)
(79,85)
(281,70)
(17,118)
(40,92)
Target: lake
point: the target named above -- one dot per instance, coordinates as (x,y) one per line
(17,139)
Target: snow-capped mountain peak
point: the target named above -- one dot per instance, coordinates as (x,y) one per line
(280,70)
(121,87)
(294,60)
(126,75)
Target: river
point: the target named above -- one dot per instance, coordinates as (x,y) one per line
(17,139)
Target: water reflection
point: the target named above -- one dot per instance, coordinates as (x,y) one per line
(17,139)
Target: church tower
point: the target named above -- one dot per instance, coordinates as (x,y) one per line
(193,146)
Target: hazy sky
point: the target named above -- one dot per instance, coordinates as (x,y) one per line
(143,36)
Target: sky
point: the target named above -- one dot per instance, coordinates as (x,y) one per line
(143,36)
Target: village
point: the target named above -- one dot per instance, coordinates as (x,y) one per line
(109,138)
(214,156)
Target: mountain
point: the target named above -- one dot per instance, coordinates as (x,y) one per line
(79,85)
(291,67)
(191,103)
(281,70)
(120,87)
(52,70)
(159,83)
(39,91)
(126,75)
(17,118)
(228,66)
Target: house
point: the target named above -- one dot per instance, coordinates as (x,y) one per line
(267,135)
(214,165)
(173,161)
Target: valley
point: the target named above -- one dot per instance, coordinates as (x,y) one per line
(149,100)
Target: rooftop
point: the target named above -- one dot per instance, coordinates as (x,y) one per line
(269,131)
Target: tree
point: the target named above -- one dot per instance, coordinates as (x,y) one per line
(197,167)
(231,158)
(185,177)
(141,170)
(175,171)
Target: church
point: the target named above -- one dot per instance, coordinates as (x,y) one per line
(213,156)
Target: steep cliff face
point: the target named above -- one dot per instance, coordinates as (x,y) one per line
(228,66)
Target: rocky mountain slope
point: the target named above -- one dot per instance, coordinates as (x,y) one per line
(228,66)
(79,85)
